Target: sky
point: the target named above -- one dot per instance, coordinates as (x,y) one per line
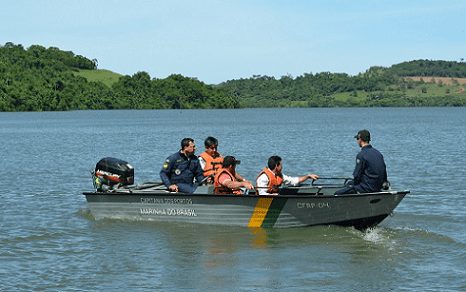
(216,41)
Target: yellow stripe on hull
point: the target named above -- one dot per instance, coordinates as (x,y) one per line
(260,211)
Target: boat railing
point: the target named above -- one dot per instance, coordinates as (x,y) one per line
(319,182)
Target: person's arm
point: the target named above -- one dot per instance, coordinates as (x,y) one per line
(358,169)
(307,176)
(165,172)
(385,182)
(199,173)
(240,178)
(385,175)
(262,183)
(234,185)
(296,180)
(202,162)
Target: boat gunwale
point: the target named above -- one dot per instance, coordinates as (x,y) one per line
(310,195)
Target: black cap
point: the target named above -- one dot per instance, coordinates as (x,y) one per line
(363,135)
(230,160)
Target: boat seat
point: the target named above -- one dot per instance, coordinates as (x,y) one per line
(207,189)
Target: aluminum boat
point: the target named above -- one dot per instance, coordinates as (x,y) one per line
(300,206)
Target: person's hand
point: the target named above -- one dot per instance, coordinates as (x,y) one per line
(313,176)
(247,184)
(173,188)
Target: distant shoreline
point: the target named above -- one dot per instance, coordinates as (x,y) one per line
(236,109)
(49,79)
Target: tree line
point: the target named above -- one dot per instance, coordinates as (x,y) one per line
(430,68)
(45,79)
(377,86)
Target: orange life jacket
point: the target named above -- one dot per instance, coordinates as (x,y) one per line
(212,164)
(274,180)
(221,189)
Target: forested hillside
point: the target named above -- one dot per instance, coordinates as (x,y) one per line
(378,86)
(49,79)
(430,68)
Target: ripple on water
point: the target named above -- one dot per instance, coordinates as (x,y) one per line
(50,241)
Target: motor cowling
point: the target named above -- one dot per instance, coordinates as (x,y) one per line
(113,173)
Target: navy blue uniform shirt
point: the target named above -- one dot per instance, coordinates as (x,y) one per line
(178,168)
(370,172)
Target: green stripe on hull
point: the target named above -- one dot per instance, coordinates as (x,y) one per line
(274,211)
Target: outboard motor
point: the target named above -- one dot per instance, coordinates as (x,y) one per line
(112,173)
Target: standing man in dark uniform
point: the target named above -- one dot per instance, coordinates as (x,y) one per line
(180,169)
(370,173)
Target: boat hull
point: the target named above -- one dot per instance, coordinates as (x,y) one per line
(283,211)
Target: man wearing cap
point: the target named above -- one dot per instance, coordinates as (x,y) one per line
(370,172)
(180,169)
(226,181)
(271,177)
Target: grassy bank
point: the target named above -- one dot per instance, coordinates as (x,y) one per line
(107,77)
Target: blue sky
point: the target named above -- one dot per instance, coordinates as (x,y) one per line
(215,41)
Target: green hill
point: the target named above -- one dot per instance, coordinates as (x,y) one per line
(107,77)
(430,68)
(49,79)
(378,86)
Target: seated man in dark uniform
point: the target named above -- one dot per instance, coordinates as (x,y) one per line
(370,173)
(180,169)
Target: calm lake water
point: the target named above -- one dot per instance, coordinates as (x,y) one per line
(49,241)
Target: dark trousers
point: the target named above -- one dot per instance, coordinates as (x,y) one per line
(347,189)
(186,188)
